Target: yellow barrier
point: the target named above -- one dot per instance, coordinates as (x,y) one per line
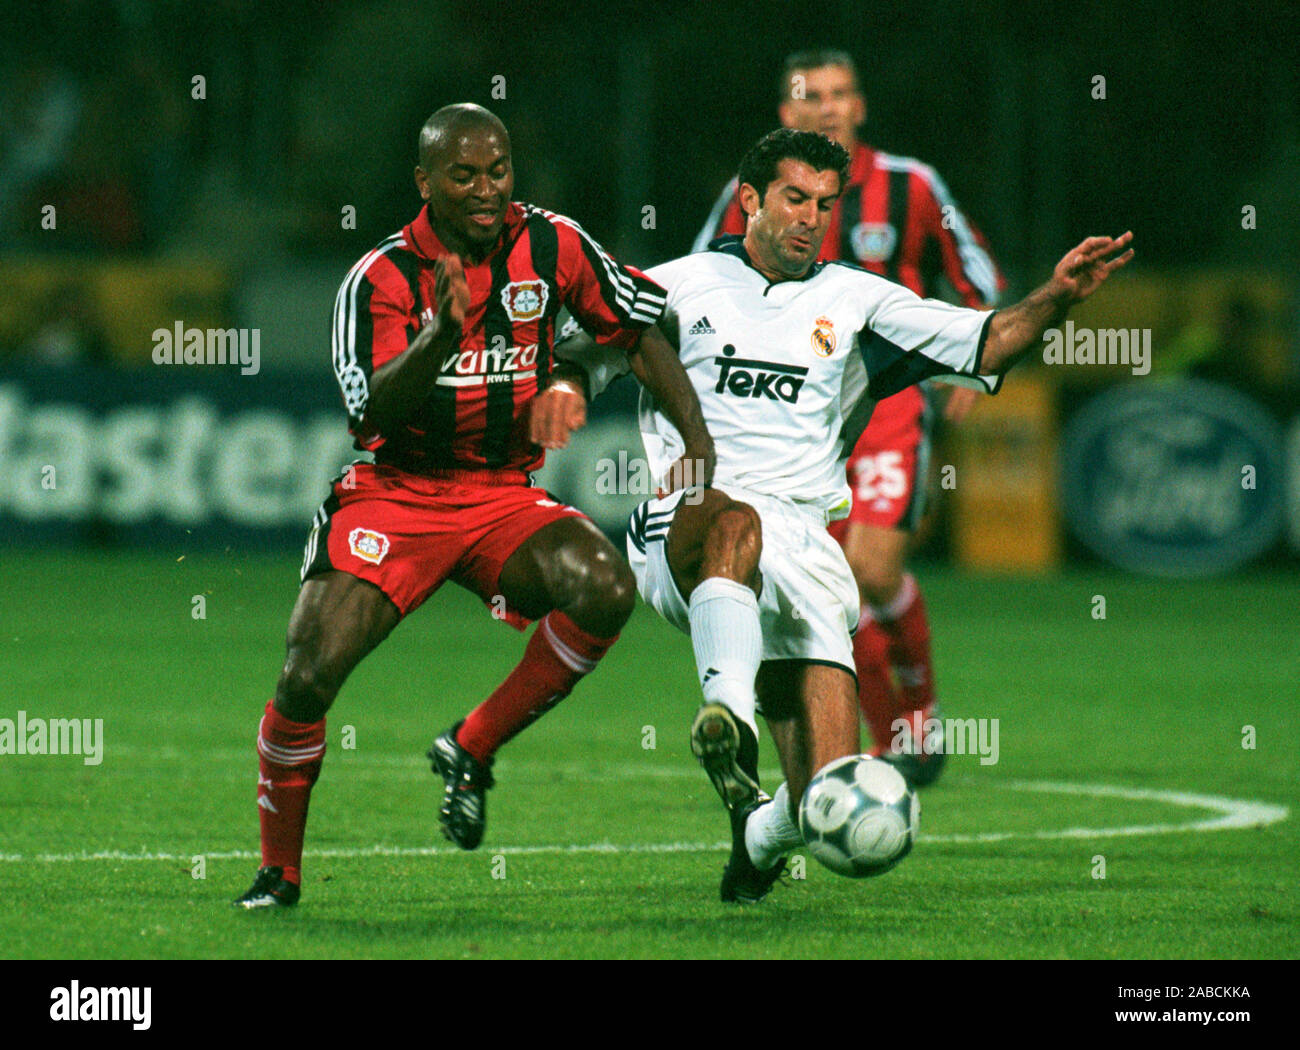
(1005,510)
(126,301)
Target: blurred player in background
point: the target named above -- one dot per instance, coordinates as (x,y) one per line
(786,354)
(442,346)
(895,218)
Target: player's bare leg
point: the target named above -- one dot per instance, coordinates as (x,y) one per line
(571,567)
(893,639)
(713,546)
(714,535)
(570,578)
(811,711)
(336,621)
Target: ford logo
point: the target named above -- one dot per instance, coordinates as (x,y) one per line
(1182,478)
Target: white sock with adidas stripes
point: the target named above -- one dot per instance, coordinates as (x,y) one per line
(728,643)
(771,832)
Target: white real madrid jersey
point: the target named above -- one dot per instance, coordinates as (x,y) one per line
(786,371)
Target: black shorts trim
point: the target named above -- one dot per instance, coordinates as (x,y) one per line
(315,556)
(810,660)
(758,706)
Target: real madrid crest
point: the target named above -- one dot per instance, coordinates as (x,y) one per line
(873,241)
(823,337)
(524,300)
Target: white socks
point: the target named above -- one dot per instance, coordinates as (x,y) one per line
(771,832)
(728,643)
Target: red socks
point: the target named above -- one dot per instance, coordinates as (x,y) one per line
(908,629)
(896,637)
(876,693)
(290,755)
(558,654)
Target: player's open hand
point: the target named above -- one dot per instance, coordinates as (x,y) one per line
(1084,268)
(557,412)
(451,289)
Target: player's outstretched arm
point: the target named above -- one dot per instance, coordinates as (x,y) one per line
(1017,329)
(401,385)
(658,368)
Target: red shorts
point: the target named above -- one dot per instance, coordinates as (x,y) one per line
(409,533)
(888,466)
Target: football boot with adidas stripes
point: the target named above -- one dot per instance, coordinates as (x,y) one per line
(463,813)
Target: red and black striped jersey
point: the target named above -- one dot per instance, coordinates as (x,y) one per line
(895,218)
(476,415)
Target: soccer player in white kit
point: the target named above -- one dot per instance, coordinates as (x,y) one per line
(787,357)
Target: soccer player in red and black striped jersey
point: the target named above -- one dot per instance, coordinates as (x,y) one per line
(895,218)
(442,346)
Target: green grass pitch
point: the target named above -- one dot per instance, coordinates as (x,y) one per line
(611,848)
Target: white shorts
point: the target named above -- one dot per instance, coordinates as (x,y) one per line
(808,605)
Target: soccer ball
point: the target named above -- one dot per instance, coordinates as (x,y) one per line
(859,817)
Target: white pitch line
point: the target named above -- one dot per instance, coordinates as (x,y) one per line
(353,852)
(1232,814)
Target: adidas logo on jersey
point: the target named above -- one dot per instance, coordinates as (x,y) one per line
(748,378)
(702,327)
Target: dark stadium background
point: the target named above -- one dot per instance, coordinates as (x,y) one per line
(226,211)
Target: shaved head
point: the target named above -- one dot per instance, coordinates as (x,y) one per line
(466,176)
(451,123)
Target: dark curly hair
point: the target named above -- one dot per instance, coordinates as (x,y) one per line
(758,168)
